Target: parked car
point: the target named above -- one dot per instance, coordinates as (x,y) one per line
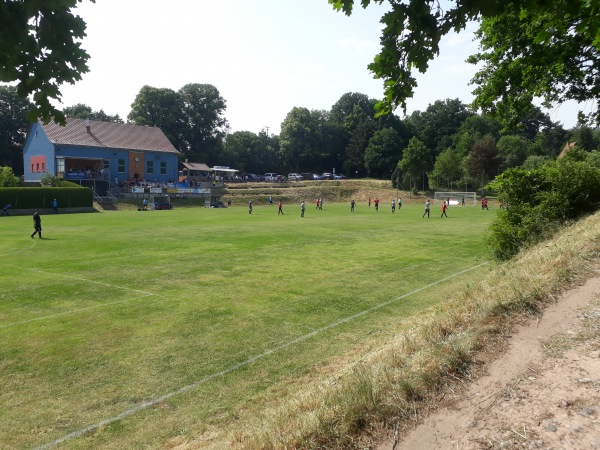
(327,176)
(295,177)
(339,176)
(281,178)
(251,177)
(270,176)
(316,176)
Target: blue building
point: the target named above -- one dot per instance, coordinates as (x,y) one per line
(99,155)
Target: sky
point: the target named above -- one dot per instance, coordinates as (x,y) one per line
(264,56)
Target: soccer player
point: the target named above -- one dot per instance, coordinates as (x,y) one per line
(280,210)
(250,207)
(302,209)
(352,203)
(393,206)
(444,206)
(426,209)
(37,224)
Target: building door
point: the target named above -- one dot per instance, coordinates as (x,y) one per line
(136,165)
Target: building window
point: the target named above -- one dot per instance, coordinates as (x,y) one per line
(60,165)
(121,165)
(149,167)
(32,167)
(37,167)
(163,168)
(43,167)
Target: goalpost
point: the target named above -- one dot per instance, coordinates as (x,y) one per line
(456,198)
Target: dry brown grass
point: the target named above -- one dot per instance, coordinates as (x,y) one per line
(385,385)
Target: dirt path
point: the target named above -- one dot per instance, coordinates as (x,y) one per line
(543,392)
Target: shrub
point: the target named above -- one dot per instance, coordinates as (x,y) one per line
(538,201)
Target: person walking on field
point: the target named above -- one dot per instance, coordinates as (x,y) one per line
(376,201)
(37,224)
(444,206)
(352,203)
(369,200)
(250,207)
(302,209)
(280,210)
(399,202)
(393,206)
(426,209)
(55,206)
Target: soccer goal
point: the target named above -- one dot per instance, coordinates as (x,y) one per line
(455,198)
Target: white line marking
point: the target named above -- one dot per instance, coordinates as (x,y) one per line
(194,385)
(83,279)
(73,311)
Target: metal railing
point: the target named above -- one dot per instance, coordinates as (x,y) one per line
(112,198)
(97,198)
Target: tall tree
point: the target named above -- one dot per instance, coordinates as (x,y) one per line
(548,49)
(13,127)
(513,150)
(204,122)
(552,44)
(447,169)
(160,107)
(483,163)
(383,153)
(436,126)
(416,161)
(83,111)
(40,50)
(299,137)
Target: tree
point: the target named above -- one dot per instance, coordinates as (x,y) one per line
(513,150)
(553,44)
(83,111)
(436,125)
(447,169)
(204,123)
(416,160)
(40,50)
(162,108)
(548,49)
(299,137)
(483,163)
(13,127)
(383,152)
(250,152)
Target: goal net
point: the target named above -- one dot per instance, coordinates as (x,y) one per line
(455,198)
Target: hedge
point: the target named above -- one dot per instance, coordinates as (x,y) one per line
(42,197)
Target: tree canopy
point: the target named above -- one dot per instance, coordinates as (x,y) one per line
(546,48)
(40,50)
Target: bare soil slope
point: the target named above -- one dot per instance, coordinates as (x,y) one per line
(542,392)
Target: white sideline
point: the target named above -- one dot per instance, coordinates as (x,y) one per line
(194,385)
(73,311)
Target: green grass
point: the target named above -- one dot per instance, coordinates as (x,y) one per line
(114,310)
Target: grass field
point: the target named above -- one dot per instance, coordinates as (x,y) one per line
(135,329)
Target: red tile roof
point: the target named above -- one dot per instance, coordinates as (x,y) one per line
(109,135)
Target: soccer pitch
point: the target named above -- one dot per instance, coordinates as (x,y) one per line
(135,329)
